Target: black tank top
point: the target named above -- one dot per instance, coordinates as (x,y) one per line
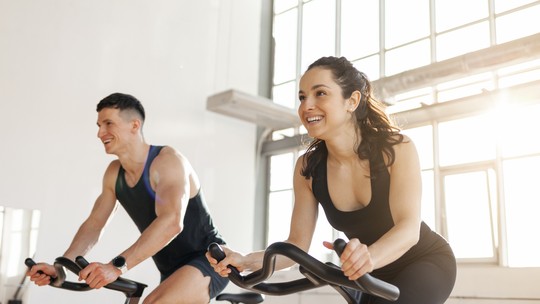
(198,229)
(372,222)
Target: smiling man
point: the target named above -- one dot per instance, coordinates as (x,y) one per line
(162,194)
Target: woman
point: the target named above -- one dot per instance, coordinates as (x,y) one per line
(366,176)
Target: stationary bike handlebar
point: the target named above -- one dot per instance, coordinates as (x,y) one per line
(317,273)
(131,289)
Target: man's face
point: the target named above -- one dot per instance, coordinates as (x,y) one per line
(114,129)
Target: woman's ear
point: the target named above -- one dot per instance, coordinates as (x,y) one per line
(354,101)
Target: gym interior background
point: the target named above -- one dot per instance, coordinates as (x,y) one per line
(461,77)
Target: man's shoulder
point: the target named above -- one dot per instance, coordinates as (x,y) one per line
(112,172)
(113,166)
(168,151)
(169,156)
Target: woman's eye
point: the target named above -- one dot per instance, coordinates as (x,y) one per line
(321,93)
(301,98)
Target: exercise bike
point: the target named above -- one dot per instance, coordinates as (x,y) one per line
(132,290)
(316,274)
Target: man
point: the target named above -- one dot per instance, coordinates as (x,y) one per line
(162,194)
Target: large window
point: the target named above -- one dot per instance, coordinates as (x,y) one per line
(479,163)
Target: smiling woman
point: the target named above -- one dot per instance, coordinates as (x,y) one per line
(366,177)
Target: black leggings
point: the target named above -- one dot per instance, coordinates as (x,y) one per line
(429,280)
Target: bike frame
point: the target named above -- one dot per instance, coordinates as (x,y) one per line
(317,274)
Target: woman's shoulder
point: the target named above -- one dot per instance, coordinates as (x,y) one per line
(405,143)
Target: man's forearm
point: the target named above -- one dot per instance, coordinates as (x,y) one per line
(155,237)
(85,238)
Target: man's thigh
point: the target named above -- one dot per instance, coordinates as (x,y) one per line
(185,285)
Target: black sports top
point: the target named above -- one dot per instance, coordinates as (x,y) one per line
(198,229)
(370,223)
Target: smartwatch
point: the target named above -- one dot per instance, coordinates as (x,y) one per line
(120,263)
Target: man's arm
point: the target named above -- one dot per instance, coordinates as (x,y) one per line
(170,178)
(90,230)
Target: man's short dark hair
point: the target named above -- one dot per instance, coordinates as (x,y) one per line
(122,102)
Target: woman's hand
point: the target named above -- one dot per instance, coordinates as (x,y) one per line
(231,258)
(355,259)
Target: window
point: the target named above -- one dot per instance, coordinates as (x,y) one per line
(506,24)
(404,24)
(520,183)
(356,41)
(469,202)
(280,197)
(450,13)
(466,140)
(451,44)
(318,30)
(479,162)
(417,54)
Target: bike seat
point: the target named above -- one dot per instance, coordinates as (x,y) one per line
(244,297)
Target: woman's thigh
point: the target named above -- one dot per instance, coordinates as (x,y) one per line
(427,281)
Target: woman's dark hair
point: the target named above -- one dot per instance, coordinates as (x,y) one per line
(378,133)
(122,102)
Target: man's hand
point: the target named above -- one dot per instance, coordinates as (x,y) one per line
(41,274)
(97,275)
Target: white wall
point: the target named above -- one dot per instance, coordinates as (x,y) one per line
(58,58)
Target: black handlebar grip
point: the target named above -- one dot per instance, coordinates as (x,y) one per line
(367,282)
(29,262)
(82,262)
(339,246)
(216,252)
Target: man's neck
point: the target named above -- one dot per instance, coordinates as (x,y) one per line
(134,158)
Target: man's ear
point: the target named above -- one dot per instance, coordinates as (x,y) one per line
(354,101)
(136,125)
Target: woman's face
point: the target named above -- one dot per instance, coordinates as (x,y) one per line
(323,110)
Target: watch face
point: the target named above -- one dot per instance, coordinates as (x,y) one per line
(119,261)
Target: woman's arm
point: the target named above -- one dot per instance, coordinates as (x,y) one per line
(405,206)
(303,221)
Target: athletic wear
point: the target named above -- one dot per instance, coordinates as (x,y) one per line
(424,274)
(198,229)
(217,282)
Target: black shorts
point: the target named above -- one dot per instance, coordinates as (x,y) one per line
(217,282)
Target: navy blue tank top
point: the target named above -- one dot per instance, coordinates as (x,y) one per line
(198,229)
(373,221)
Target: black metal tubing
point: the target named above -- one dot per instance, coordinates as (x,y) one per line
(131,289)
(317,273)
